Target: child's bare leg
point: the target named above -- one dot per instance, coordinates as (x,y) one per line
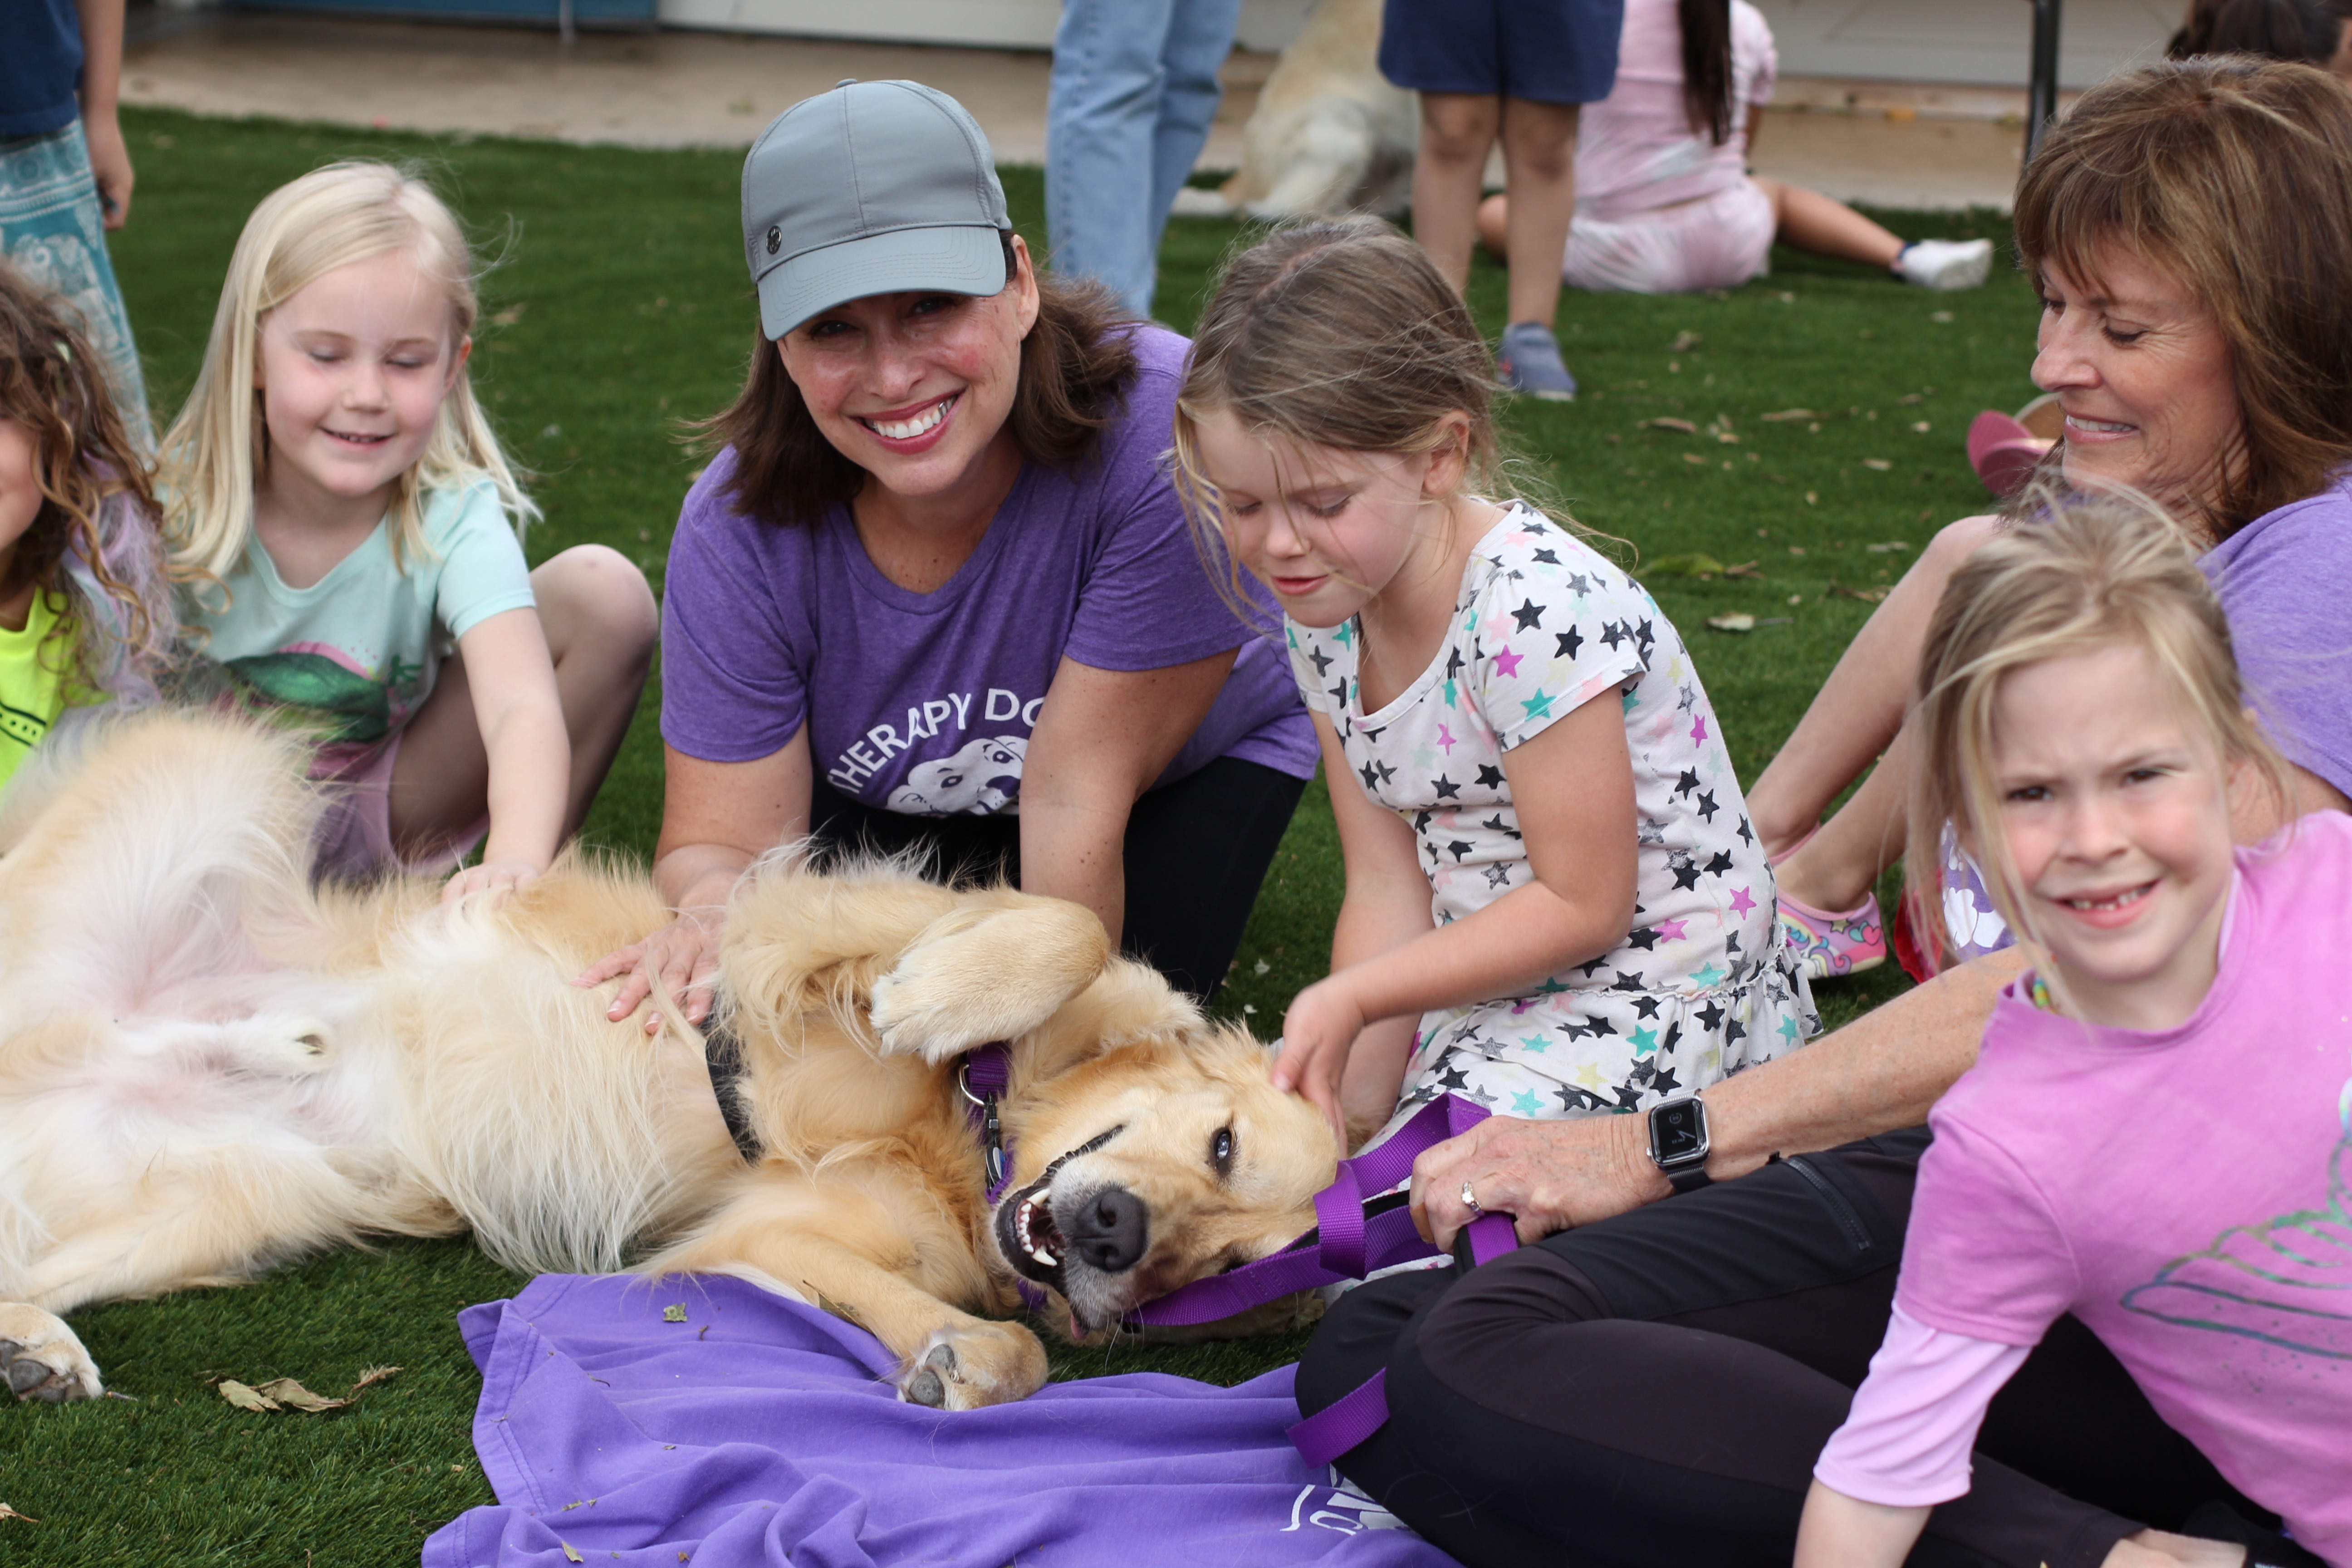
(1539,163)
(1456,130)
(1861,706)
(601,623)
(1495,225)
(1839,867)
(1826,227)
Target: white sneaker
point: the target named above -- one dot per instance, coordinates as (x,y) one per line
(1946,264)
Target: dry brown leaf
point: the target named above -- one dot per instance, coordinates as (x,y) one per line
(1908,398)
(1736,622)
(1694,457)
(1880,464)
(1888,548)
(7,1513)
(284,1391)
(1744,569)
(674,1313)
(1867,595)
(1786,415)
(373,1376)
(569,1554)
(1685,340)
(1668,422)
(244,1398)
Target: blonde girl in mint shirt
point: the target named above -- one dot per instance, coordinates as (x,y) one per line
(356,532)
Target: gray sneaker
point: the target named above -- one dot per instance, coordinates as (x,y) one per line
(1528,363)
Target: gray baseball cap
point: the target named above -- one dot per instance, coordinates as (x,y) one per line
(872,188)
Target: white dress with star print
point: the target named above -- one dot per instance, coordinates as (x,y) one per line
(1701,986)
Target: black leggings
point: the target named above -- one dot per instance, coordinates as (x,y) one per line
(1653,1391)
(1196,851)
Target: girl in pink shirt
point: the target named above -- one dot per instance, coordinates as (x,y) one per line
(2157,1135)
(1664,204)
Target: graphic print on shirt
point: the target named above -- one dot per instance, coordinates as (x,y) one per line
(320,687)
(979,777)
(2287,1282)
(981,780)
(25,729)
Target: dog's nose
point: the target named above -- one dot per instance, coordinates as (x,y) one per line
(1111,1230)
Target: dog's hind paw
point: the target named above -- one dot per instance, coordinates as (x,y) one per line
(42,1359)
(980,1364)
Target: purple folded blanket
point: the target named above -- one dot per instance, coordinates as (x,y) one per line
(760,1431)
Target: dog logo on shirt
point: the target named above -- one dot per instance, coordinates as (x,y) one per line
(982,779)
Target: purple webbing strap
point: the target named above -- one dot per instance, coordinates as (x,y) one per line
(1491,1235)
(982,1077)
(1347,1246)
(1344,1423)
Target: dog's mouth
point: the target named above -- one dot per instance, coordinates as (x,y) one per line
(1032,1241)
(1026,1232)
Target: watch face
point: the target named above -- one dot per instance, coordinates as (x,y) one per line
(1677,1132)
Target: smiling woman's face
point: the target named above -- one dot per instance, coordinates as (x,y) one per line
(2143,372)
(915,387)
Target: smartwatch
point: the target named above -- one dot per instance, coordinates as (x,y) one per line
(1678,1142)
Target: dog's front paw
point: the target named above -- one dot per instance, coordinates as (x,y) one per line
(976,1364)
(42,1359)
(985,974)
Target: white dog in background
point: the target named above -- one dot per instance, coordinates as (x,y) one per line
(1329,135)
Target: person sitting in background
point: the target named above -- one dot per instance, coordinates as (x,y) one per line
(1664,204)
(2313,31)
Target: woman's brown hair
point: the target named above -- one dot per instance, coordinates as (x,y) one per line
(2234,176)
(95,528)
(1076,367)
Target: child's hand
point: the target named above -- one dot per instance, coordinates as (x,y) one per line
(498,877)
(1316,1035)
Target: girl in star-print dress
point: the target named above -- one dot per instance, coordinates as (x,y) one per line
(1700,987)
(1525,925)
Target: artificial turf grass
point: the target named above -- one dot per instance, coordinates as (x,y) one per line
(620,309)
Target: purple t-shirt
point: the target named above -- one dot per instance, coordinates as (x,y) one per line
(2285,580)
(922,703)
(2186,1192)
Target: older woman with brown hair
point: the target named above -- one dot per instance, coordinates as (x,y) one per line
(1653,1385)
(936,596)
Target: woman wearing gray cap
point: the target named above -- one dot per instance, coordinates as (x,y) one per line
(937,591)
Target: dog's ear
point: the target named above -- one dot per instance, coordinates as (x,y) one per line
(995,967)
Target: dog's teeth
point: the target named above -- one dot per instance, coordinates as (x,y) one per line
(1043,1255)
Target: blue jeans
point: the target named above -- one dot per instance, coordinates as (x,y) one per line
(1134,88)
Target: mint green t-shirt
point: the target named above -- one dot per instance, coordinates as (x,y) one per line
(355,655)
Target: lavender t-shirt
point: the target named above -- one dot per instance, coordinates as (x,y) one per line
(923,704)
(2186,1192)
(2286,580)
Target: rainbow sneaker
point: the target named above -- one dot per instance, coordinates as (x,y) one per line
(1831,945)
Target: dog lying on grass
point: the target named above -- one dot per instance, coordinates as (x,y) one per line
(209,1068)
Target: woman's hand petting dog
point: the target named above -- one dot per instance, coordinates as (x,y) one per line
(1548,1175)
(684,955)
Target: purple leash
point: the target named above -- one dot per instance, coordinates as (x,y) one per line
(1346,1244)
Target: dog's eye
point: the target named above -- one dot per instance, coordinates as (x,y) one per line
(1221,1150)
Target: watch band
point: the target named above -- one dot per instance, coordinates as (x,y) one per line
(1690,1179)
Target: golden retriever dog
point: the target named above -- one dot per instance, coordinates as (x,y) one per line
(208,1067)
(1329,135)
